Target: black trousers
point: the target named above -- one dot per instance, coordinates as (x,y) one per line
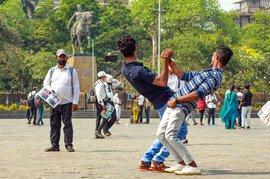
(211,113)
(32,114)
(98,115)
(61,112)
(107,123)
(201,115)
(141,114)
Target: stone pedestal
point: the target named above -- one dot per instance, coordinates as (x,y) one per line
(86,66)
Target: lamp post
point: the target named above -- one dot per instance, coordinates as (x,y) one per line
(159,26)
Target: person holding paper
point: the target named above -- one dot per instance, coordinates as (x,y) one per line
(63,81)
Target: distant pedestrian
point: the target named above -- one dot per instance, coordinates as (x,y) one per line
(228,111)
(117,103)
(39,103)
(239,109)
(31,105)
(246,107)
(201,105)
(211,101)
(141,104)
(147,106)
(193,118)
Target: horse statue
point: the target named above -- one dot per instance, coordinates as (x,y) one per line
(80,29)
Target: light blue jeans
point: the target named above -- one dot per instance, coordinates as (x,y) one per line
(157,152)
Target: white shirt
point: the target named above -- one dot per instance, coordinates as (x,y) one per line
(61,84)
(32,93)
(116,100)
(239,96)
(140,100)
(209,101)
(100,91)
(175,83)
(109,88)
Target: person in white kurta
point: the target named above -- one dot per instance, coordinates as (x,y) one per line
(117,104)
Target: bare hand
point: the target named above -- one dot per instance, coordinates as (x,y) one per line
(171,103)
(103,111)
(167,54)
(74,107)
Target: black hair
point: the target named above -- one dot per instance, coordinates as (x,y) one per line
(238,88)
(247,86)
(225,54)
(127,45)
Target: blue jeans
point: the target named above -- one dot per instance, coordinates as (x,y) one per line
(157,151)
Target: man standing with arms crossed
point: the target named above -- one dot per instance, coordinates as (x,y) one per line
(62,80)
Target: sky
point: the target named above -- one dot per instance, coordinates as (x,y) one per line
(228,4)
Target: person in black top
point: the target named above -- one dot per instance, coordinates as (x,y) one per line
(246,107)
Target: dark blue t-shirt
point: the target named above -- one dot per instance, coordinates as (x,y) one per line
(141,78)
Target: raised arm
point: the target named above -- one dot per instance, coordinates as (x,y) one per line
(162,79)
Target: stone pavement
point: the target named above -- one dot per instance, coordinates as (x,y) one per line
(219,153)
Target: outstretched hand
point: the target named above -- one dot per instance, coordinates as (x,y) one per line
(167,54)
(171,103)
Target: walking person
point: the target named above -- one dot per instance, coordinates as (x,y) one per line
(199,84)
(228,111)
(201,105)
(117,104)
(239,109)
(31,106)
(141,104)
(100,91)
(246,107)
(211,101)
(147,110)
(39,103)
(108,123)
(152,87)
(62,80)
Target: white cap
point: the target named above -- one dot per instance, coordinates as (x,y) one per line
(61,52)
(109,78)
(101,74)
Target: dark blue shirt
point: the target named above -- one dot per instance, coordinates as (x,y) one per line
(141,78)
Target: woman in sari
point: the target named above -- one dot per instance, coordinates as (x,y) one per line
(228,111)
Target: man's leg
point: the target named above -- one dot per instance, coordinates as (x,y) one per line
(243,116)
(240,117)
(147,114)
(173,143)
(248,116)
(68,128)
(98,116)
(55,121)
(156,145)
(141,114)
(213,116)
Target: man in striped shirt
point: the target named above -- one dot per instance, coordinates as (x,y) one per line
(199,85)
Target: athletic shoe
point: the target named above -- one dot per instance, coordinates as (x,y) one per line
(174,168)
(189,170)
(185,141)
(157,166)
(144,165)
(70,148)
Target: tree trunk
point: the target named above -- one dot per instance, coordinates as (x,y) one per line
(154,47)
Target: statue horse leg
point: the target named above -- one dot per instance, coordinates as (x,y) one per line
(73,41)
(80,40)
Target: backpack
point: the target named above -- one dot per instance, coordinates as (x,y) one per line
(71,74)
(201,104)
(31,100)
(91,96)
(37,103)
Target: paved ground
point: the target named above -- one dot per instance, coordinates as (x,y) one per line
(220,153)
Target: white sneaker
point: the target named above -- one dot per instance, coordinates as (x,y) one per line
(174,168)
(189,170)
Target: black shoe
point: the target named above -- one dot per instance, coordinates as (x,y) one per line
(99,135)
(52,149)
(70,148)
(248,127)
